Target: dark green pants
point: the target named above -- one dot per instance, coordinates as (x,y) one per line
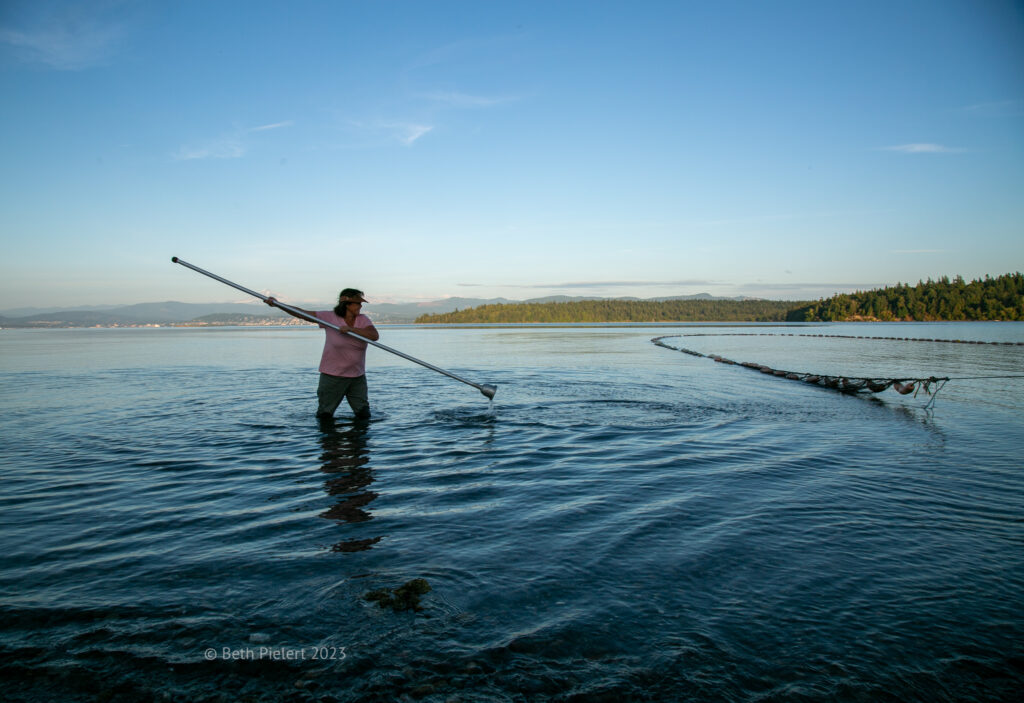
(333,388)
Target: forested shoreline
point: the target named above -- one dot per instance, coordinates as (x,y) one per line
(999,298)
(945,299)
(620,311)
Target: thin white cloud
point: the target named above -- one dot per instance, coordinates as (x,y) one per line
(801,291)
(599,284)
(380,132)
(923,148)
(230,146)
(409,133)
(69,40)
(776,291)
(807,286)
(267,127)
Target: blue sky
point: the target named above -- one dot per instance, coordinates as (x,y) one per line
(419,150)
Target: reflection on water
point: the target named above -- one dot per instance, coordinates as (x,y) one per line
(625,523)
(345,460)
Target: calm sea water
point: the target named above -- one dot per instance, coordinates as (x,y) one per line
(624,523)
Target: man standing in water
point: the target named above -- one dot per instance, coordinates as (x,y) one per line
(343,363)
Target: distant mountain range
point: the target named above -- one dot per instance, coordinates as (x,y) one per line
(171,312)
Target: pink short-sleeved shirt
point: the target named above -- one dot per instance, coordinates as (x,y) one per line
(344,355)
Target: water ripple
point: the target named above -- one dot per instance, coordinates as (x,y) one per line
(623,523)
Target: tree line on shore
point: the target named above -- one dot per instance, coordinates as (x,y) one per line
(619,311)
(1000,298)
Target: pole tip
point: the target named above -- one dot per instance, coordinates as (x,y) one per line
(174,259)
(488,390)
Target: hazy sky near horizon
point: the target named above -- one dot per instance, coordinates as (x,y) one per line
(418,150)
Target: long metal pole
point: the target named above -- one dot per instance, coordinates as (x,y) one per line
(485,388)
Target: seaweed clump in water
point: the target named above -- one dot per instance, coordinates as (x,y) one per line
(405,597)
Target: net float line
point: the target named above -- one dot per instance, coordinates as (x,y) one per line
(843,384)
(851,385)
(846,336)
